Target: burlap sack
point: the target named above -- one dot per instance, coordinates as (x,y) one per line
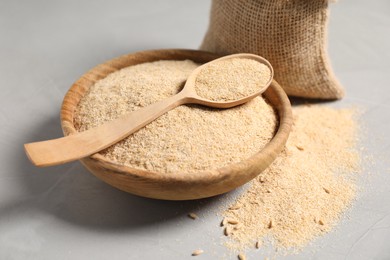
(291,34)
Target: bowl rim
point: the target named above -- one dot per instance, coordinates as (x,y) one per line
(268,153)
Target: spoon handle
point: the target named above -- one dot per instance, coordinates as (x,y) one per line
(83,144)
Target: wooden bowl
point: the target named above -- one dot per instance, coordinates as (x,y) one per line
(175,186)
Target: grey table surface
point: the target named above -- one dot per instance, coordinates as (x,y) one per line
(64,212)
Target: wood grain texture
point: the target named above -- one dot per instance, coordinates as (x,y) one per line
(175,186)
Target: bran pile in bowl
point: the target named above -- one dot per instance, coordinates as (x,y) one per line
(187,139)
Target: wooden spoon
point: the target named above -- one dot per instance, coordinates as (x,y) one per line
(83,144)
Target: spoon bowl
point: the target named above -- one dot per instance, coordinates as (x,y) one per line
(190,91)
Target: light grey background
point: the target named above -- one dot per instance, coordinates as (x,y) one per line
(65,213)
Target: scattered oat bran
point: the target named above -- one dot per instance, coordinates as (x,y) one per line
(231,79)
(227,231)
(235,207)
(188,138)
(193,215)
(232,221)
(270,224)
(197,252)
(237,227)
(298,178)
